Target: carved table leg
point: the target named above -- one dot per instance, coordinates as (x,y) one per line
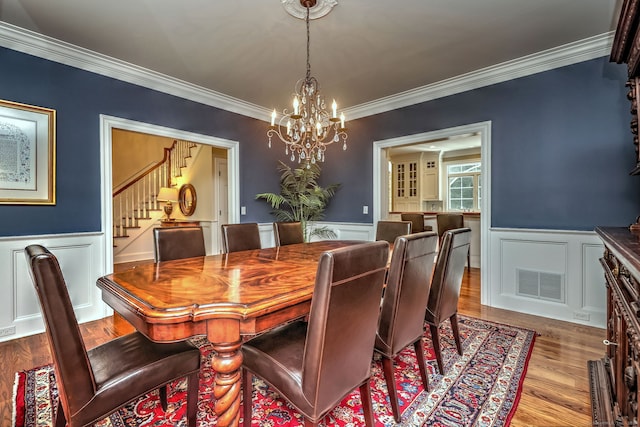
(224,335)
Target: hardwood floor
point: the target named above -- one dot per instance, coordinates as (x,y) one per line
(555,390)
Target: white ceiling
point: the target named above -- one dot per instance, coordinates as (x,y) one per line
(363,50)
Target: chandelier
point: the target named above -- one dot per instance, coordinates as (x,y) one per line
(309,128)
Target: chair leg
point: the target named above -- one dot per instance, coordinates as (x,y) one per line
(456,332)
(61,420)
(193,386)
(435,338)
(387,368)
(469,259)
(367,406)
(162,391)
(247,402)
(421,364)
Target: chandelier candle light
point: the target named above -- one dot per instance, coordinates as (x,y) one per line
(309,128)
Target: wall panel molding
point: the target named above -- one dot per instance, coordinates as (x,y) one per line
(573,254)
(81,259)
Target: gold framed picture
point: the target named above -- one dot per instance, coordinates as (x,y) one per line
(27,154)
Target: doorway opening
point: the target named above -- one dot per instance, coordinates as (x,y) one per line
(382,189)
(108,124)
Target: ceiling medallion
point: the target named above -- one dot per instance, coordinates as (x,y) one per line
(309,127)
(297,10)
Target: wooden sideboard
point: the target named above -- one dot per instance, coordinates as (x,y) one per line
(179,223)
(626,50)
(614,378)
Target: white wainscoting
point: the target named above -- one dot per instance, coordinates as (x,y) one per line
(142,248)
(343,230)
(574,255)
(571,254)
(81,259)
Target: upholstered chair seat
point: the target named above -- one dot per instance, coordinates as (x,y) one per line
(445,287)
(240,237)
(314,364)
(401,320)
(389,230)
(93,384)
(417,222)
(451,221)
(288,233)
(178,242)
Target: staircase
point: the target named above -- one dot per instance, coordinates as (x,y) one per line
(135,208)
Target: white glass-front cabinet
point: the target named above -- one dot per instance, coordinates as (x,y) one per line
(415,178)
(431,176)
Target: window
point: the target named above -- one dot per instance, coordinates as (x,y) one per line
(463,186)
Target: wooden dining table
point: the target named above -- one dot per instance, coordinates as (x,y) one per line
(225,297)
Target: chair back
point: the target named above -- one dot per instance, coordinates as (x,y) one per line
(342,321)
(449,222)
(240,237)
(417,221)
(389,230)
(75,379)
(447,276)
(178,242)
(405,296)
(288,233)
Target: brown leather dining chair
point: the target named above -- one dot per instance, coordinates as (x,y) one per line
(389,230)
(445,287)
(417,222)
(288,233)
(95,383)
(240,237)
(401,320)
(177,243)
(315,364)
(451,221)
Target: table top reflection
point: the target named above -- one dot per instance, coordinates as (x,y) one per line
(243,285)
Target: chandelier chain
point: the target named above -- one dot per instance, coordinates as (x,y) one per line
(309,128)
(308,48)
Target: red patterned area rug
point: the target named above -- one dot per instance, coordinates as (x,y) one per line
(480,388)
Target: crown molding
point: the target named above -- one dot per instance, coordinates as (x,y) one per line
(32,43)
(571,53)
(36,44)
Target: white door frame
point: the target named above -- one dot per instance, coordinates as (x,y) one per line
(380,185)
(108,123)
(220,218)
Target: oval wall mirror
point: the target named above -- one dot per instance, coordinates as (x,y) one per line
(187,199)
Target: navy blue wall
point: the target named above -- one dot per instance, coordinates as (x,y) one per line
(561,148)
(79,97)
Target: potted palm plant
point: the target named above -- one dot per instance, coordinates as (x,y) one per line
(301,199)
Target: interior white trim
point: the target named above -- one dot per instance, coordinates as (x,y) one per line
(571,53)
(108,123)
(484,130)
(30,42)
(26,41)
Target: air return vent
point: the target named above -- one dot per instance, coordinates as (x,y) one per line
(540,285)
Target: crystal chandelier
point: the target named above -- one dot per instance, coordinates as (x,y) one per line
(309,128)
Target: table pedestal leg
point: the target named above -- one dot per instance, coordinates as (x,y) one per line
(227,362)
